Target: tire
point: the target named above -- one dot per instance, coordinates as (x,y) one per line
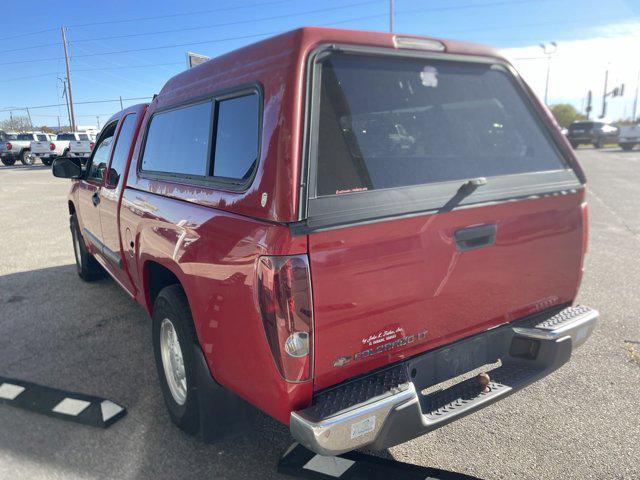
(47,161)
(627,148)
(87,266)
(173,323)
(8,161)
(574,145)
(597,143)
(26,158)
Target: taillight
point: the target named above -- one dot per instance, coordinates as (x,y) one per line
(52,147)
(91,145)
(9,146)
(284,296)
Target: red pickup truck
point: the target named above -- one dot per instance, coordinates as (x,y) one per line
(364,235)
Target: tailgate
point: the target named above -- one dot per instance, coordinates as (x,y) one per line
(76,146)
(436,210)
(40,147)
(390,290)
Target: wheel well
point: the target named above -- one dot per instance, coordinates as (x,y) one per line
(157,277)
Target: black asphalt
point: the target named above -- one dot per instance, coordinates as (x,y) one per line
(580,422)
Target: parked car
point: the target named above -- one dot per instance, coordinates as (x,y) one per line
(594,133)
(629,137)
(82,145)
(20,148)
(59,146)
(44,149)
(335,287)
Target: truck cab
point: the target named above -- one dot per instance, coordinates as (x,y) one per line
(341,229)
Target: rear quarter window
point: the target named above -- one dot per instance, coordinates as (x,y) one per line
(212,141)
(178,141)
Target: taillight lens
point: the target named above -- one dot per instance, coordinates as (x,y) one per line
(91,146)
(9,146)
(52,147)
(284,296)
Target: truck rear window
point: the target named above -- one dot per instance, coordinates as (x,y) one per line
(66,136)
(387,122)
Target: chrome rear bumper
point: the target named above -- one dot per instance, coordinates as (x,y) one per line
(387,408)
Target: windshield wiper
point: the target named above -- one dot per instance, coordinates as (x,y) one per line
(466,189)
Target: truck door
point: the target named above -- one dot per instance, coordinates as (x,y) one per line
(110,196)
(89,190)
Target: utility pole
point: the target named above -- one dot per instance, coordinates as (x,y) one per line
(604,93)
(72,117)
(30,122)
(66,97)
(13,127)
(548,49)
(58,123)
(390,16)
(98,120)
(635,99)
(121,107)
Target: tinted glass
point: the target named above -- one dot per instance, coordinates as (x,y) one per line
(580,125)
(121,151)
(25,136)
(83,136)
(42,138)
(236,138)
(389,122)
(101,155)
(66,136)
(178,141)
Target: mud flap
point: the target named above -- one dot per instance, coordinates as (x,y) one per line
(222,414)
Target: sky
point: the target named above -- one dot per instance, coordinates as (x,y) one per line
(130,48)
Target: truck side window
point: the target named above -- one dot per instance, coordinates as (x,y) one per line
(121,150)
(178,141)
(101,153)
(236,147)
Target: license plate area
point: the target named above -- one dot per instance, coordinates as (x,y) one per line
(451,364)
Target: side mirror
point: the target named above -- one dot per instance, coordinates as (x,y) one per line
(67,167)
(113,178)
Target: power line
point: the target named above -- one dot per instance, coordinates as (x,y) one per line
(227,24)
(242,37)
(29,33)
(173,15)
(419,10)
(91,102)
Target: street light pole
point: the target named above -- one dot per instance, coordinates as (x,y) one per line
(390,16)
(548,49)
(635,99)
(604,94)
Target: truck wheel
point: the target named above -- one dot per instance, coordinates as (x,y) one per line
(27,158)
(574,145)
(627,148)
(8,161)
(87,266)
(47,161)
(174,339)
(597,143)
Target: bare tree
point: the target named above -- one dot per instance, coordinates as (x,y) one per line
(16,124)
